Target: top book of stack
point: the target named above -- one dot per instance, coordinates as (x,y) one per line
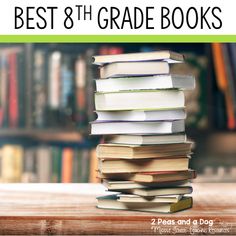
(167,56)
(138,64)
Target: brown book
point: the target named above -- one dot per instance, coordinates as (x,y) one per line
(145,165)
(105,151)
(121,185)
(151,192)
(149,177)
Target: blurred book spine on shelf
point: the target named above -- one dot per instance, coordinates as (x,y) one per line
(39,90)
(12,79)
(11,163)
(45,164)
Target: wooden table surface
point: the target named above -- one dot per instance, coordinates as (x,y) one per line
(71,209)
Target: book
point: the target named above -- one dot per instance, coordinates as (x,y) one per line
(84,166)
(3,88)
(13,108)
(54,82)
(21,77)
(150,127)
(159,199)
(39,88)
(56,164)
(44,164)
(147,139)
(143,165)
(167,56)
(121,185)
(124,69)
(11,163)
(149,177)
(67,101)
(29,166)
(137,100)
(93,167)
(145,151)
(90,87)
(75,166)
(139,115)
(11,78)
(148,82)
(111,202)
(177,190)
(67,162)
(80,87)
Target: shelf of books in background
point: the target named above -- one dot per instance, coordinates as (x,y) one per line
(220,166)
(25,92)
(52,90)
(140,106)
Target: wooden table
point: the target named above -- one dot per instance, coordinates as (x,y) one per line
(70,209)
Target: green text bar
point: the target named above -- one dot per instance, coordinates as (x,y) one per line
(115,38)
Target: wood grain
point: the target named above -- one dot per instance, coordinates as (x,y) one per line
(71,209)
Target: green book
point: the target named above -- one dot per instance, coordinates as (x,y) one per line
(56,164)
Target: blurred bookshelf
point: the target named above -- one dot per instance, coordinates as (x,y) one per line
(46,104)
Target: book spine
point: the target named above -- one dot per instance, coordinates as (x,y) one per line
(80,82)
(54,80)
(67,160)
(44,164)
(75,174)
(85,162)
(13,92)
(29,166)
(21,84)
(12,158)
(39,88)
(56,165)
(93,167)
(90,86)
(67,91)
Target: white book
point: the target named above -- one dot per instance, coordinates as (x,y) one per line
(54,81)
(139,115)
(148,82)
(139,100)
(148,139)
(44,164)
(161,127)
(121,69)
(164,55)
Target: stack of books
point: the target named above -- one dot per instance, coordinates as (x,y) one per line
(140,109)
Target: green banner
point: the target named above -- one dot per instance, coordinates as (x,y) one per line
(115,38)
